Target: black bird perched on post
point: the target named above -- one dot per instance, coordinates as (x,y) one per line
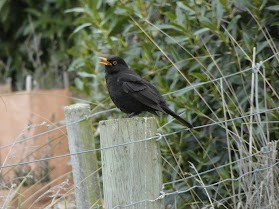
(132,94)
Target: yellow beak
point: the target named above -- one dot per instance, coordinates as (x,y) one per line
(105,61)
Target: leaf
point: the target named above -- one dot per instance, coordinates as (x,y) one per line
(165,26)
(273,8)
(86,75)
(34,12)
(201,31)
(219,12)
(261,46)
(213,160)
(76,64)
(200,76)
(176,39)
(275,23)
(79,84)
(120,11)
(188,10)
(2,3)
(180,17)
(76,9)
(84,25)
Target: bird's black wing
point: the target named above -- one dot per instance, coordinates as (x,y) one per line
(142,91)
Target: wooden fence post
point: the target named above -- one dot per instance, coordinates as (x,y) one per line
(84,166)
(131,172)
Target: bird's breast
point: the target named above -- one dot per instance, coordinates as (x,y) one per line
(115,88)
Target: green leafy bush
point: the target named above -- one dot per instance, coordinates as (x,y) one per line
(34,39)
(178,44)
(183,48)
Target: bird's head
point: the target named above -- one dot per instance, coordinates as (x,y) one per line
(113,64)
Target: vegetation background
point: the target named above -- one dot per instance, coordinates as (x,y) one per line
(173,44)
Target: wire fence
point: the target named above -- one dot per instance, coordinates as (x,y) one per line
(160,136)
(163,194)
(173,92)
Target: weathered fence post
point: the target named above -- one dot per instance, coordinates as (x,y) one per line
(131,172)
(85,167)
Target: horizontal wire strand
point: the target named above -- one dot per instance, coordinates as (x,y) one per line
(113,109)
(124,144)
(163,194)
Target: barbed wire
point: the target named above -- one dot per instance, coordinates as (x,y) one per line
(113,109)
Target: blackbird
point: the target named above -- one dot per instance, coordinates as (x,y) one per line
(132,94)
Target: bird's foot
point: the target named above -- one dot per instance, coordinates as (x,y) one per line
(129,115)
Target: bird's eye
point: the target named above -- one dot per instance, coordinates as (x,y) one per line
(114,62)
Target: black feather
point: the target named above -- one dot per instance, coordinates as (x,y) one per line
(132,94)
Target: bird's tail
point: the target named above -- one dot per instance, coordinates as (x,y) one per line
(173,114)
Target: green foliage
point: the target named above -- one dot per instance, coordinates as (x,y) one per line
(34,40)
(175,44)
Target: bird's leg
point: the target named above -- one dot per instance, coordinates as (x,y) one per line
(129,115)
(154,113)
